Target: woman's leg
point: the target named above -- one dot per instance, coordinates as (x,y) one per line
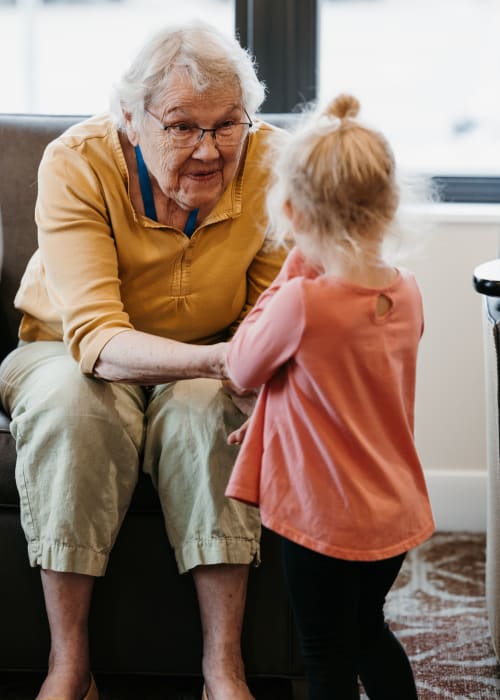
(384,667)
(67,601)
(221,590)
(77,442)
(324,594)
(187,455)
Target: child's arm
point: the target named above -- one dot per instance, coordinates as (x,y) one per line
(268,338)
(295,265)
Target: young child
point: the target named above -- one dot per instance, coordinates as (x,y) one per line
(329,454)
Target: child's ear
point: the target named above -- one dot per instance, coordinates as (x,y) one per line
(288,209)
(293,214)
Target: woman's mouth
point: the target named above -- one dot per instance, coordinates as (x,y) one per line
(202,175)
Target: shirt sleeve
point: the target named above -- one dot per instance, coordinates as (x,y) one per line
(260,275)
(295,265)
(268,337)
(78,253)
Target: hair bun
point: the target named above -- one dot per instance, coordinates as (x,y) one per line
(343,106)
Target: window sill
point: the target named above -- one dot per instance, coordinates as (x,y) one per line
(460,213)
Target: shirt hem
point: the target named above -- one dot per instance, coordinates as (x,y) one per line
(338,552)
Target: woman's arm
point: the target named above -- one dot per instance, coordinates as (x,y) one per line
(134,357)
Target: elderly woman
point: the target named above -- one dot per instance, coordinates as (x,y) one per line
(151,227)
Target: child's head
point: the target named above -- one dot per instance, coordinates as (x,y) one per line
(335,179)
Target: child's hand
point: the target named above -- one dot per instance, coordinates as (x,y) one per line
(237,436)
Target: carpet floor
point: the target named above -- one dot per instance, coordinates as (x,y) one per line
(437,609)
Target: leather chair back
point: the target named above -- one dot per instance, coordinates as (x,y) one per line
(23,139)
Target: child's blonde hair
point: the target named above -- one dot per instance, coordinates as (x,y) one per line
(339,175)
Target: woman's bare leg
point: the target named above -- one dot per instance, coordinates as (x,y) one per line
(67,601)
(221,592)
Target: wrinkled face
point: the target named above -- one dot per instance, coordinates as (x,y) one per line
(196,176)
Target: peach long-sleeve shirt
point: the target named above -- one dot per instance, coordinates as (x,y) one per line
(329,455)
(102,268)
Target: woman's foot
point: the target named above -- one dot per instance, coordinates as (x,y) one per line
(222,683)
(227,690)
(63,683)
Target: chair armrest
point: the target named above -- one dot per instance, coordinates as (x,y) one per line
(486,278)
(4,421)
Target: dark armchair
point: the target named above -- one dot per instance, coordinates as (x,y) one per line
(144,617)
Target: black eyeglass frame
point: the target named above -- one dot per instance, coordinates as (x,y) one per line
(213,130)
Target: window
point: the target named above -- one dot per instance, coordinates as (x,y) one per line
(425,71)
(62,56)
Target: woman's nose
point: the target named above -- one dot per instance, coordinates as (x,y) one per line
(206,146)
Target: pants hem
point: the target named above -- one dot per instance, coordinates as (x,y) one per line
(67,558)
(217,550)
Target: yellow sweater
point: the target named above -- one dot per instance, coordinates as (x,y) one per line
(102,268)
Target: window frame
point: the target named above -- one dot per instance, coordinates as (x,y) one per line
(283,36)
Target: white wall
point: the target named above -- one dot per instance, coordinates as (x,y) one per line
(450,407)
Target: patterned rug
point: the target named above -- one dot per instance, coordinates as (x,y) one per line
(437,609)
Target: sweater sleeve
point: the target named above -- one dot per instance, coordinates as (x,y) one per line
(269,336)
(78,253)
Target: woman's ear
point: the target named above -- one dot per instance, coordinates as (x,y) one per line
(132,134)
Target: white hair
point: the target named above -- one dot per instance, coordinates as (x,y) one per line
(210,58)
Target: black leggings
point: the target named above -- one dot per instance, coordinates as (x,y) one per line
(339,611)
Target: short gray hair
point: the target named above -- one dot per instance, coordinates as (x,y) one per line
(212,60)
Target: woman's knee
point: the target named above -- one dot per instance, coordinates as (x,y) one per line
(49,394)
(191,420)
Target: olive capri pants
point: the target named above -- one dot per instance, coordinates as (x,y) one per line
(80,443)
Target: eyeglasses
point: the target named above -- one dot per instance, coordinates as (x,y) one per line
(183,135)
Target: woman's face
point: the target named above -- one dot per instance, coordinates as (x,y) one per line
(193,177)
